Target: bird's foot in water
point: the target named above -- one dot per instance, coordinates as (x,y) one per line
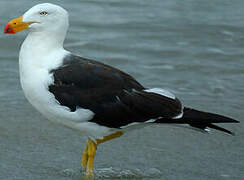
(88,158)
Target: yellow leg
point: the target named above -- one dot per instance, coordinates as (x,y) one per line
(89,152)
(92,147)
(84,156)
(109,137)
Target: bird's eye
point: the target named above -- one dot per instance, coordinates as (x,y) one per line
(43,13)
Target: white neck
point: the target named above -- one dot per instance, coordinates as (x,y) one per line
(39,45)
(41,51)
(43,42)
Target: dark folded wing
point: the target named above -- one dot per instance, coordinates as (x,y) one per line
(115,97)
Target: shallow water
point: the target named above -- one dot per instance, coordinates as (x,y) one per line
(193,48)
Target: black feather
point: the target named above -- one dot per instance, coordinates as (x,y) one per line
(117,99)
(200,119)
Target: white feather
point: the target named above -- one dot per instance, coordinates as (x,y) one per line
(162,92)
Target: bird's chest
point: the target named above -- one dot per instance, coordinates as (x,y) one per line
(35,86)
(35,76)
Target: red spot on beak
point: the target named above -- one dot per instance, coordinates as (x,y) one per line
(8,29)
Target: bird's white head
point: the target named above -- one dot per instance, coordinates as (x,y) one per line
(40,18)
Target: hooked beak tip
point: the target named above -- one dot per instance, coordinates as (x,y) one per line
(8,29)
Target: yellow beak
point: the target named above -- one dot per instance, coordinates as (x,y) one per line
(16,25)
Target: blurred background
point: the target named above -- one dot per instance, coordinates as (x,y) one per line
(193,48)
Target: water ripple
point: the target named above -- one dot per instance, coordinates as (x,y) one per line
(115,173)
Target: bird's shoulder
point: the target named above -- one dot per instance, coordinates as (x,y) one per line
(86,73)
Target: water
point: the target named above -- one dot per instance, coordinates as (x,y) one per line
(193,48)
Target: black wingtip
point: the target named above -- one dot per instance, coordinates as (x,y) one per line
(235,121)
(221,129)
(207,117)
